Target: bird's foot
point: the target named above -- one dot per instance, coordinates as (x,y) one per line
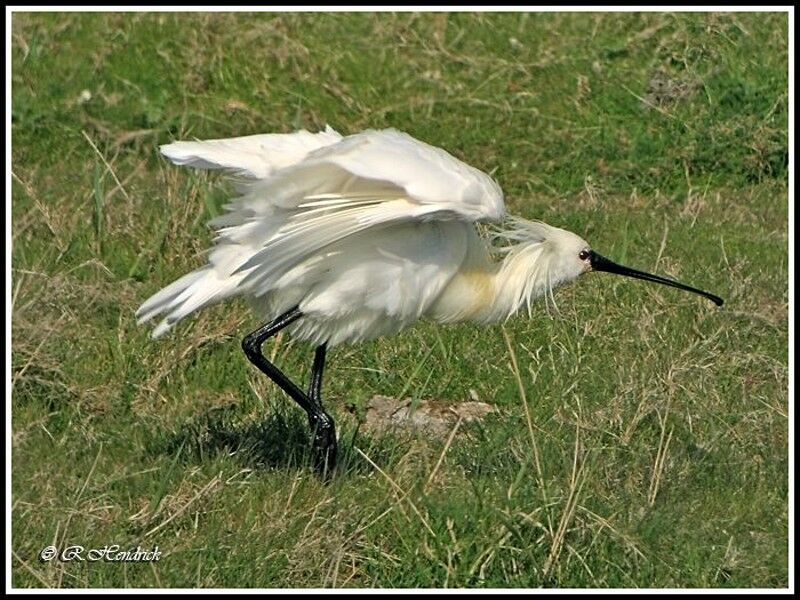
(323,444)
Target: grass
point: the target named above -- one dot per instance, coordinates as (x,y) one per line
(642,434)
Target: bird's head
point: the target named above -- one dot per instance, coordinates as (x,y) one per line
(569,254)
(553,256)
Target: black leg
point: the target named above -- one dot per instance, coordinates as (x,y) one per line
(322,426)
(315,385)
(324,433)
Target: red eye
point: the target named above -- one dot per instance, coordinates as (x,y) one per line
(584,254)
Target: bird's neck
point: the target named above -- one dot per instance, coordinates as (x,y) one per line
(519,279)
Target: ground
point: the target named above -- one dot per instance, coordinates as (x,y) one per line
(640,433)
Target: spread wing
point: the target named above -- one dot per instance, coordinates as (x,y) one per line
(295,209)
(251,156)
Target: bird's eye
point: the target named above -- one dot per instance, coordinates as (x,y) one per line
(584,254)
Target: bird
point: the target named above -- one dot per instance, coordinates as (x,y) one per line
(343,239)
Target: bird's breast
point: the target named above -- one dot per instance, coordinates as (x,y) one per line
(469,296)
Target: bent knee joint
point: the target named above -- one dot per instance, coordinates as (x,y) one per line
(251,345)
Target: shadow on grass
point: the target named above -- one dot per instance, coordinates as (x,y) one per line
(282,440)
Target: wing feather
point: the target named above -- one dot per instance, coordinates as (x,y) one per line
(394,160)
(251,156)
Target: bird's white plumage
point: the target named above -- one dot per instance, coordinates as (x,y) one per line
(253,156)
(364,233)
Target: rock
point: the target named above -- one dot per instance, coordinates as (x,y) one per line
(434,416)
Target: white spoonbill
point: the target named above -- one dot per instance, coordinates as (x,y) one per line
(345,239)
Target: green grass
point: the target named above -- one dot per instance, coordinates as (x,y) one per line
(657,451)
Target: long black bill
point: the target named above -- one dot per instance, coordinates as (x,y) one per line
(601,263)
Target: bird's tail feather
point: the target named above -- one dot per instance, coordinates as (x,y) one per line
(191,292)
